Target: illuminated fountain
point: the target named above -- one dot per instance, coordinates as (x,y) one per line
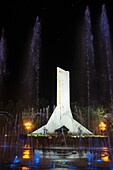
(106,50)
(16,160)
(89,156)
(106,44)
(87,68)
(32,70)
(2,57)
(2,61)
(35,53)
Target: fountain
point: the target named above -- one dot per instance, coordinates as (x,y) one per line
(46,151)
(105,34)
(31,78)
(106,53)
(89,156)
(16,160)
(2,61)
(2,56)
(35,53)
(37,158)
(87,60)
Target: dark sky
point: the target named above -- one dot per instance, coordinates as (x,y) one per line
(61,21)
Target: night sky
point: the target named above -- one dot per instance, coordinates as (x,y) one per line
(61,22)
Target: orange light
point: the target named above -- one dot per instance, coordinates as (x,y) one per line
(26,157)
(50,137)
(26,146)
(25,168)
(27,125)
(102,126)
(105,157)
(26,154)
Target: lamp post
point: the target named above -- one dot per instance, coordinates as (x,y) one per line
(28,125)
(102,126)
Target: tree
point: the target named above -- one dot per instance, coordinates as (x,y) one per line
(97,113)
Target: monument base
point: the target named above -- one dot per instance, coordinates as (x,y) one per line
(55,122)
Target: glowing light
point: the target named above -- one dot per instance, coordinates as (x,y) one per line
(26,157)
(13,165)
(89,163)
(26,154)
(98,160)
(63,163)
(26,146)
(28,125)
(37,159)
(102,126)
(25,168)
(50,137)
(16,159)
(105,157)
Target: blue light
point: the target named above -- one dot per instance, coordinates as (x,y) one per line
(16,159)
(13,165)
(37,160)
(54,165)
(63,163)
(89,163)
(4,146)
(98,160)
(73,167)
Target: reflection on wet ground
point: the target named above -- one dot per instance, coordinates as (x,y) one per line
(55,157)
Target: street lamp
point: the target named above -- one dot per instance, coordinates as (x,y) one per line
(102,126)
(28,125)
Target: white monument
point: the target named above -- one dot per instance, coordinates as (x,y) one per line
(62,115)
